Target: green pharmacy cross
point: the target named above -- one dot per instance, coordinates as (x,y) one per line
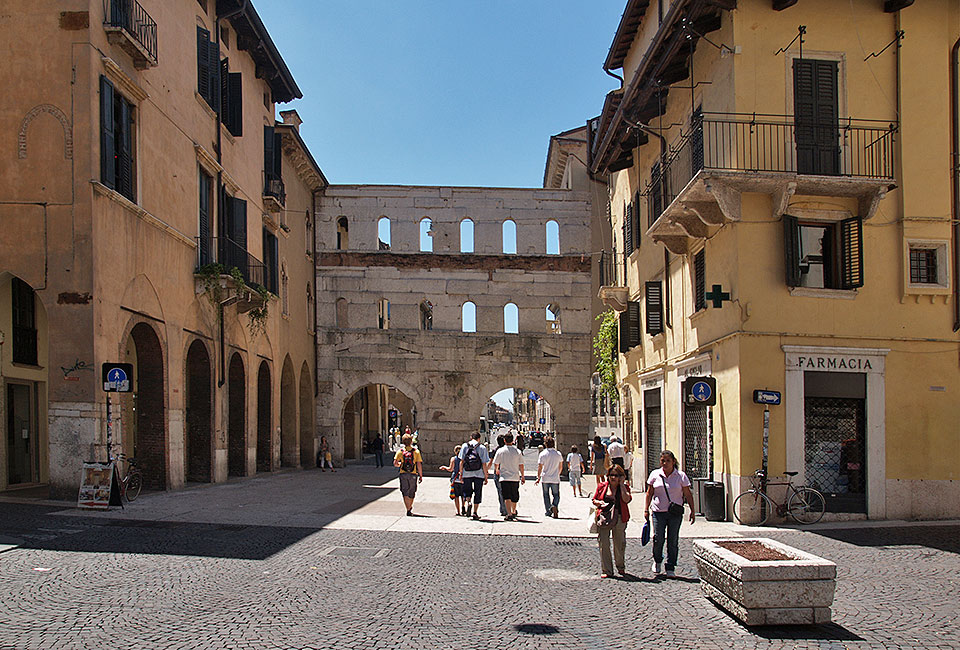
(717,295)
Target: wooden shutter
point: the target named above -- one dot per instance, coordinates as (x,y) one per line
(634,337)
(637,223)
(268,144)
(213,66)
(816,110)
(851,253)
(204,243)
(696,141)
(274,262)
(654,296)
(700,280)
(656,187)
(223,90)
(791,250)
(203,63)
(124,143)
(624,330)
(277,156)
(108,161)
(235,112)
(628,224)
(238,219)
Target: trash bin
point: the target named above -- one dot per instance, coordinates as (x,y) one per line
(713,502)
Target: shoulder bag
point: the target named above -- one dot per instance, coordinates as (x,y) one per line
(674,508)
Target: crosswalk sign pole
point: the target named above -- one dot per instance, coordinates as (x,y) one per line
(109,419)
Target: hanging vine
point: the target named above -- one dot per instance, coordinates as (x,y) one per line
(210,275)
(605,349)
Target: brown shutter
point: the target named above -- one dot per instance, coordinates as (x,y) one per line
(851,253)
(628,224)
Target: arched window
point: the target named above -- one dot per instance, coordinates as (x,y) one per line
(383,234)
(426,235)
(343,239)
(509,237)
(511,319)
(426,315)
(343,320)
(466,236)
(553,238)
(553,318)
(468,317)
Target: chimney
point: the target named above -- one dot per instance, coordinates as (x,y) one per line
(291,118)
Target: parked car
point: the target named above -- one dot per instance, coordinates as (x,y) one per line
(536,438)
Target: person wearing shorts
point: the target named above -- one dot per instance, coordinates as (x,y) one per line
(473,480)
(508,465)
(575,469)
(410,477)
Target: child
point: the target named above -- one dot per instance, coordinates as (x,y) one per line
(575,468)
(456,482)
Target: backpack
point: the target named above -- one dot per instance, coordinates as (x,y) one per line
(407,464)
(471,458)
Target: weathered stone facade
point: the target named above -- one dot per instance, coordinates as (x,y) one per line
(450,374)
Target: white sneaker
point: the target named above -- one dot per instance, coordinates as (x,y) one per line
(655,567)
(671,573)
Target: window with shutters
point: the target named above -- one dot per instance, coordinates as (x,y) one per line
(655,203)
(204,219)
(271,259)
(816,116)
(24,322)
(232,237)
(208,69)
(117,138)
(699,280)
(630,327)
(823,255)
(653,293)
(273,165)
(231,99)
(629,232)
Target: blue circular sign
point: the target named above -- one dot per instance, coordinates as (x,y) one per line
(701,391)
(117,375)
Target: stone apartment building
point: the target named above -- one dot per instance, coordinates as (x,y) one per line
(153,211)
(784,192)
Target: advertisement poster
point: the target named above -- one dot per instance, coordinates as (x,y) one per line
(96,480)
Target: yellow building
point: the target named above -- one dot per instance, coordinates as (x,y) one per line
(144,151)
(781,183)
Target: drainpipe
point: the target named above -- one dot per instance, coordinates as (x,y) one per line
(955,175)
(216,28)
(615,76)
(316,303)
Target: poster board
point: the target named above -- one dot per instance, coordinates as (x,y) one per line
(98,487)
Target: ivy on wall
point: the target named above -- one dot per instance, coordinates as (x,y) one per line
(605,349)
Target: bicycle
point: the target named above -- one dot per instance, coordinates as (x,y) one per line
(805,505)
(132,482)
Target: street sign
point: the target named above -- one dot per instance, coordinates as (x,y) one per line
(700,391)
(543,420)
(117,377)
(766,397)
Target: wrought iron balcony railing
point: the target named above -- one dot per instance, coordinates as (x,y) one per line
(273,187)
(610,266)
(772,143)
(130,17)
(229,254)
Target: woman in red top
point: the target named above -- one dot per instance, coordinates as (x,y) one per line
(611,499)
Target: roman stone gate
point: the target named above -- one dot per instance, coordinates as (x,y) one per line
(432,299)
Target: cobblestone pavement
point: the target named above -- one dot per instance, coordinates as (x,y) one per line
(82,582)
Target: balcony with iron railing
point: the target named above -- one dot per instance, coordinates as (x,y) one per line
(274,193)
(230,255)
(703,173)
(612,277)
(128,25)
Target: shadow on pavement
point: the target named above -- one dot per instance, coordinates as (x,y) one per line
(944,538)
(823,632)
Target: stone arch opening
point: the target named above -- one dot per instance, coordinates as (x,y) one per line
(199,414)
(289,443)
(383,234)
(343,234)
(553,237)
(468,317)
(426,235)
(509,229)
(264,419)
(307,444)
(342,313)
(236,417)
(511,318)
(375,409)
(528,400)
(149,437)
(466,236)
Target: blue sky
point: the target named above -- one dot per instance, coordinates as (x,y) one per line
(442,92)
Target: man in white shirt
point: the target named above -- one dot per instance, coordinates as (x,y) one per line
(616,451)
(508,465)
(548,476)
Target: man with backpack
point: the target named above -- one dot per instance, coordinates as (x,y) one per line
(410,464)
(474,463)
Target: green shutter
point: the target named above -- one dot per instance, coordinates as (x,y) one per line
(634,337)
(624,330)
(124,142)
(203,63)
(654,297)
(629,244)
(235,113)
(108,162)
(791,250)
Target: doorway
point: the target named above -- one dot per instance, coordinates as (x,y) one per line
(653,428)
(23,448)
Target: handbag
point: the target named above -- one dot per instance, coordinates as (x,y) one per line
(674,508)
(592,529)
(453,493)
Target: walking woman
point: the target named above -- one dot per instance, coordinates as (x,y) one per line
(667,490)
(611,499)
(599,459)
(325,455)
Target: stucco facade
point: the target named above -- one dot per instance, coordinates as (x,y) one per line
(113,195)
(840,270)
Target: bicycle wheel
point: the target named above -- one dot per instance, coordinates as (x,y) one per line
(133,486)
(806,505)
(752,507)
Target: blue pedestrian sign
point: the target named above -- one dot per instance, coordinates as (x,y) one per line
(700,391)
(117,377)
(766,397)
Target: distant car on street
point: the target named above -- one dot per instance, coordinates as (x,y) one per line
(536,438)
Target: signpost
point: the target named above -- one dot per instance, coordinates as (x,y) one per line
(768,398)
(700,391)
(99,487)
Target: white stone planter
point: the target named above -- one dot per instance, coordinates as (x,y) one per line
(774,592)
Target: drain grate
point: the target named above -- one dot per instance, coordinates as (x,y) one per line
(354,551)
(567,542)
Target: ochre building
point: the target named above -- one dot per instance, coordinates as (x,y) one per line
(783,199)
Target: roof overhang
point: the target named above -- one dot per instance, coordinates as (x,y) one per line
(626,32)
(252,37)
(561,146)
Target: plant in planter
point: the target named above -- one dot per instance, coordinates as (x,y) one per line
(764,582)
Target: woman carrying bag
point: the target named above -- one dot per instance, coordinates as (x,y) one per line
(612,515)
(667,489)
